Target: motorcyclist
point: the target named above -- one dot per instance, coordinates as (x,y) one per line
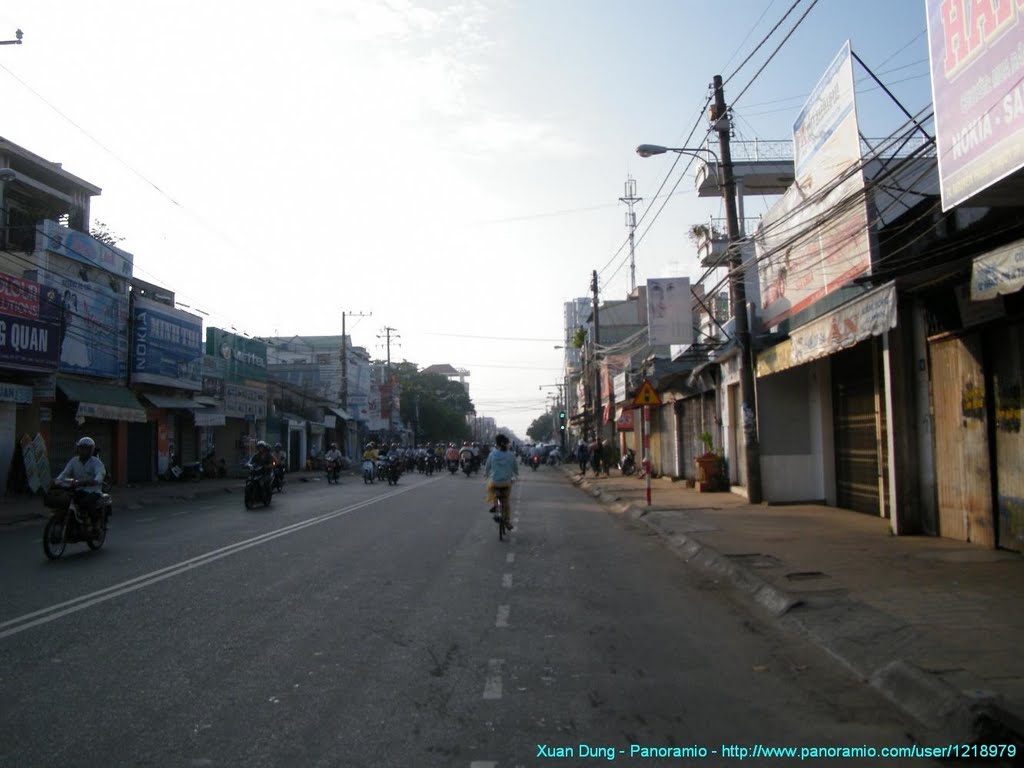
(466,454)
(280,461)
(262,460)
(333,454)
(500,471)
(84,474)
(332,458)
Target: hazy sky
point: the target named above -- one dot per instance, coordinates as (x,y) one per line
(452,167)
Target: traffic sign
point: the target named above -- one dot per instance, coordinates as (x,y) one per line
(646,395)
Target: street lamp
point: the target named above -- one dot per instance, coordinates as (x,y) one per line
(649,150)
(737,289)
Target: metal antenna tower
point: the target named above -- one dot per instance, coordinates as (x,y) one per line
(631,199)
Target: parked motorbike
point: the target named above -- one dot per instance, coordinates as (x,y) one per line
(213,468)
(628,462)
(70,525)
(333,471)
(368,472)
(258,488)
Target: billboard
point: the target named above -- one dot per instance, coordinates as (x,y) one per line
(93,327)
(977,69)
(815,239)
(241,402)
(244,359)
(669,311)
(72,244)
(29,326)
(167,346)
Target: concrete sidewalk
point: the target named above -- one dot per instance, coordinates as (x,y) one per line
(935,625)
(21,509)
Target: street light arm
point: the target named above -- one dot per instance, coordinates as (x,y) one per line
(649,150)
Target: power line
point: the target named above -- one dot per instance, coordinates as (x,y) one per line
(763,41)
(777,49)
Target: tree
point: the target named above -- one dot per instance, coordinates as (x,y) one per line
(435,405)
(541,430)
(101,232)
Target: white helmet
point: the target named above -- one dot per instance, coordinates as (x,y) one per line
(87,442)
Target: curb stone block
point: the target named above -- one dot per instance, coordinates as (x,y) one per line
(933,702)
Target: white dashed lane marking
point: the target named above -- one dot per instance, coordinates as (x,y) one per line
(503,612)
(506,580)
(492,686)
(510,557)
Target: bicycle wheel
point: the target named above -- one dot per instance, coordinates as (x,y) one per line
(500,509)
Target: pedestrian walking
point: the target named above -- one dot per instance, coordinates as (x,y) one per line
(582,456)
(595,456)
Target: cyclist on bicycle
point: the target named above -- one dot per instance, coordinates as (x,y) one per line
(499,471)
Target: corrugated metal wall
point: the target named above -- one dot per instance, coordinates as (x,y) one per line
(1007,385)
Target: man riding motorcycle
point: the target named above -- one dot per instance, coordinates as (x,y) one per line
(280,466)
(332,459)
(84,474)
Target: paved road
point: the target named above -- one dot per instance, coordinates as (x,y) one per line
(375,626)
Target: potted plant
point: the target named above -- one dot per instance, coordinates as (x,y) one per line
(709,464)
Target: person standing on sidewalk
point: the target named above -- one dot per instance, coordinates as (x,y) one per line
(595,456)
(607,457)
(582,456)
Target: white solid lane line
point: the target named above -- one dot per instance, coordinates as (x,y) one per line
(53,612)
(492,686)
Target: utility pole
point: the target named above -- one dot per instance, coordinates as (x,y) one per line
(631,199)
(738,293)
(344,356)
(388,330)
(597,367)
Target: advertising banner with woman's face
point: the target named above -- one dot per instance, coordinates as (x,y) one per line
(93,327)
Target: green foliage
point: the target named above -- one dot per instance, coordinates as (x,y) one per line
(540,430)
(443,405)
(579,337)
(101,232)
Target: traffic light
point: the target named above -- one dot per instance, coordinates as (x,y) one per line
(561,421)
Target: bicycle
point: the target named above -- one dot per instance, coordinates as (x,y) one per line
(499,511)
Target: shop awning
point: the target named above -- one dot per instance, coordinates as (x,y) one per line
(102,401)
(210,417)
(871,314)
(207,400)
(999,272)
(179,403)
(341,413)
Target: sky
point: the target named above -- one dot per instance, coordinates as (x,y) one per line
(449,169)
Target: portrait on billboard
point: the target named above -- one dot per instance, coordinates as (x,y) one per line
(669,311)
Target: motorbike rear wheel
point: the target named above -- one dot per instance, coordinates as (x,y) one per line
(101,536)
(55,537)
(250,496)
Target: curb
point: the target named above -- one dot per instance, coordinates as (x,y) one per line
(969,716)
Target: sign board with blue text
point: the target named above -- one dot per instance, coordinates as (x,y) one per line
(167,346)
(29,326)
(72,244)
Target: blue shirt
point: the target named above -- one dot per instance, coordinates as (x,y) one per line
(501,466)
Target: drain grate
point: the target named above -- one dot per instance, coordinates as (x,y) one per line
(756,560)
